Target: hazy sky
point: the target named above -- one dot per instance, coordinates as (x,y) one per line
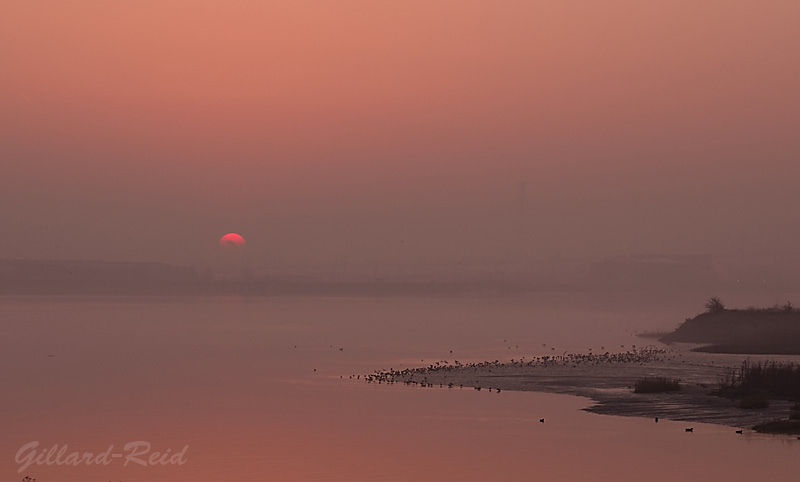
(365,130)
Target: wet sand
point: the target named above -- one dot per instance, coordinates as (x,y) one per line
(607,379)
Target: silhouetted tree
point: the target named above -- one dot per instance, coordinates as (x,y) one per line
(714,305)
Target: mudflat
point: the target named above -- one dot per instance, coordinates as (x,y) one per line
(608,380)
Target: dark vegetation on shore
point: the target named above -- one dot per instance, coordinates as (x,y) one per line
(772,330)
(777,380)
(754,384)
(656,385)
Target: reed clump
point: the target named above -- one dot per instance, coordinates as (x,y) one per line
(656,385)
(773,379)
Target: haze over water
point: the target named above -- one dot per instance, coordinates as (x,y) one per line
(224,376)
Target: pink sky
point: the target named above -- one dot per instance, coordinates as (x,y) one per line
(320,130)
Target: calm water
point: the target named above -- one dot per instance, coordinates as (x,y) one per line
(253,387)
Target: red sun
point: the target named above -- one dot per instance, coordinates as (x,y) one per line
(232,240)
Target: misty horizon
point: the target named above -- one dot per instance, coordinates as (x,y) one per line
(657,128)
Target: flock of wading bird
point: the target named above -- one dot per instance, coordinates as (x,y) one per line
(419,376)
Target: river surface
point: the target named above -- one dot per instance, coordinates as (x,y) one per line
(260,389)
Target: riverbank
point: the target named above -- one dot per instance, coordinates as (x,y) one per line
(773,330)
(608,380)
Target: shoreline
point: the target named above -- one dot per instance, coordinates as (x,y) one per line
(607,380)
